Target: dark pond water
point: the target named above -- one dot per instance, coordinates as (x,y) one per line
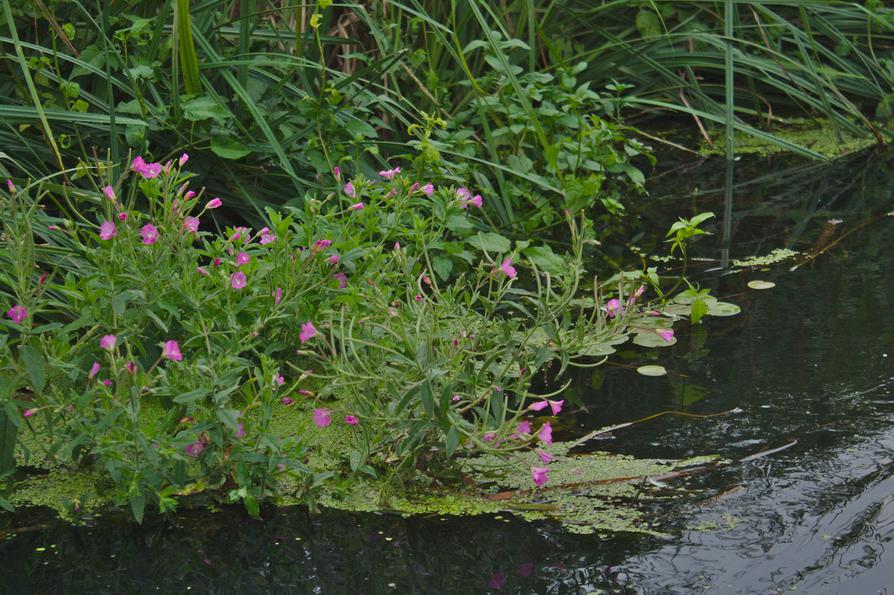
(811,360)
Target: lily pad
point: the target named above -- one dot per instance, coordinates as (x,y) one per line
(651,370)
(757,284)
(652,339)
(724,309)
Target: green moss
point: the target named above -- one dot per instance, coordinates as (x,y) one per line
(816,135)
(776,256)
(70,492)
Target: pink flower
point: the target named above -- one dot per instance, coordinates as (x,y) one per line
(397,246)
(350,190)
(171,351)
(149,234)
(336,171)
(189,195)
(238,280)
(666,334)
(183,159)
(342,280)
(322,418)
(279,380)
(277,296)
(540,475)
(109,192)
(334,259)
(240,430)
(94,370)
(213,203)
(321,245)
(242,258)
(489,436)
(202,271)
(463,193)
(191,224)
(17,313)
(308,332)
(357,207)
(389,173)
(414,187)
(418,297)
(456,398)
(215,263)
(556,406)
(267,237)
(507,268)
(194,449)
(122,217)
(351,420)
(107,382)
(108,342)
(538,406)
(613,307)
(130,367)
(147,170)
(544,456)
(29,412)
(496,581)
(546,433)
(639,291)
(107,231)
(287,401)
(305,392)
(428,189)
(523,428)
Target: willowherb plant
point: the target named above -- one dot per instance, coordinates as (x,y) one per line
(176,357)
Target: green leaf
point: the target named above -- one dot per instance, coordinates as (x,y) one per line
(35,366)
(193,395)
(698,311)
(452,441)
(229,418)
(228,148)
(652,339)
(442,266)
(723,309)
(138,505)
(205,108)
(6,505)
(490,242)
(546,259)
(652,370)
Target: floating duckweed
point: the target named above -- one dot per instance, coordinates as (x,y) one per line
(776,256)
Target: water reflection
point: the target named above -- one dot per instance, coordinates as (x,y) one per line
(809,361)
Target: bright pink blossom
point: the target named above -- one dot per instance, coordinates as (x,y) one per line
(389,173)
(544,456)
(342,280)
(351,420)
(189,195)
(538,406)
(524,427)
(147,170)
(277,296)
(242,258)
(463,193)
(546,433)
(202,271)
(456,398)
(94,370)
(240,430)
(195,449)
(556,406)
(171,351)
(109,192)
(29,412)
(540,475)
(428,189)
(322,417)
(287,401)
(321,245)
(305,392)
(613,307)
(279,380)
(350,190)
(414,187)
(122,216)
(17,313)
(191,224)
(308,332)
(267,237)
(667,334)
(130,367)
(108,342)
(149,233)
(238,280)
(489,436)
(183,159)
(336,171)
(357,207)
(213,203)
(334,259)
(508,269)
(107,231)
